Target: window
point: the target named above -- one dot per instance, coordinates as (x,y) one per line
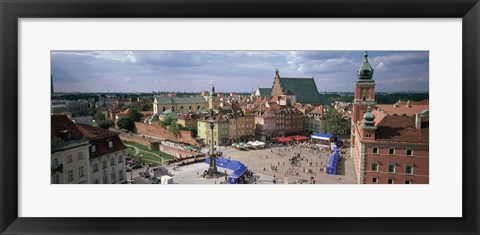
(93,149)
(408,181)
(80,155)
(120,159)
(70,176)
(104,164)
(95,167)
(390,181)
(96,181)
(374,180)
(55,162)
(374,166)
(110,144)
(56,179)
(409,152)
(391,167)
(69,158)
(391,151)
(80,172)
(375,150)
(409,169)
(112,161)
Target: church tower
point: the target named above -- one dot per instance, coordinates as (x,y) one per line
(277,89)
(364,91)
(211,97)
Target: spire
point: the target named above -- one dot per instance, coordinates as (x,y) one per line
(365,71)
(212,93)
(277,73)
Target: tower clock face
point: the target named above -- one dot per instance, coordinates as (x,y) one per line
(365,92)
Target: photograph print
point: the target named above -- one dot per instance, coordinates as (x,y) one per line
(239,117)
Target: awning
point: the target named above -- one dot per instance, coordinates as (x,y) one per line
(284,139)
(323,136)
(299,137)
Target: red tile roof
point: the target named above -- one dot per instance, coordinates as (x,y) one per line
(402,129)
(61,123)
(100,138)
(409,108)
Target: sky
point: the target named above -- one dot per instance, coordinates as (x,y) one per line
(232,71)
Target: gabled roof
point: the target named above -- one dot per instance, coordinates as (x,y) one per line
(318,109)
(304,89)
(177,100)
(163,100)
(265,91)
(61,123)
(100,138)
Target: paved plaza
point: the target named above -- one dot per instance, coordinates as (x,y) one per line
(269,163)
(263,160)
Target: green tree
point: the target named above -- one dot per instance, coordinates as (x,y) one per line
(175,127)
(99,116)
(146,107)
(134,115)
(336,124)
(126,123)
(92,111)
(165,122)
(105,124)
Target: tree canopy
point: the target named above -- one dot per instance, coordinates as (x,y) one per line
(134,115)
(105,124)
(336,124)
(126,123)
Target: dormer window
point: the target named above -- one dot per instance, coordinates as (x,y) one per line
(110,144)
(93,149)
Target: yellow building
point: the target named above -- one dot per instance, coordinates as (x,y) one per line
(220,130)
(178,105)
(69,152)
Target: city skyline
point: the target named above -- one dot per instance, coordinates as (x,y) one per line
(232,71)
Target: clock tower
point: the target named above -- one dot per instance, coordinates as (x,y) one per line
(364,91)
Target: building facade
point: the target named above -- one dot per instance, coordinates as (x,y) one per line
(106,156)
(69,152)
(315,120)
(178,105)
(387,148)
(220,130)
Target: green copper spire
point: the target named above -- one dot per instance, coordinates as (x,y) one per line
(212,93)
(365,71)
(369,118)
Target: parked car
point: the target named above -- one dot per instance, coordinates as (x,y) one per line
(135,166)
(155,180)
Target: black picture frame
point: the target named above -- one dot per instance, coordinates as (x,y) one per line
(11,11)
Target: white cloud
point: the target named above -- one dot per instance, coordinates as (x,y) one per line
(381,67)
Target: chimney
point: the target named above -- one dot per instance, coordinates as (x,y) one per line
(418,121)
